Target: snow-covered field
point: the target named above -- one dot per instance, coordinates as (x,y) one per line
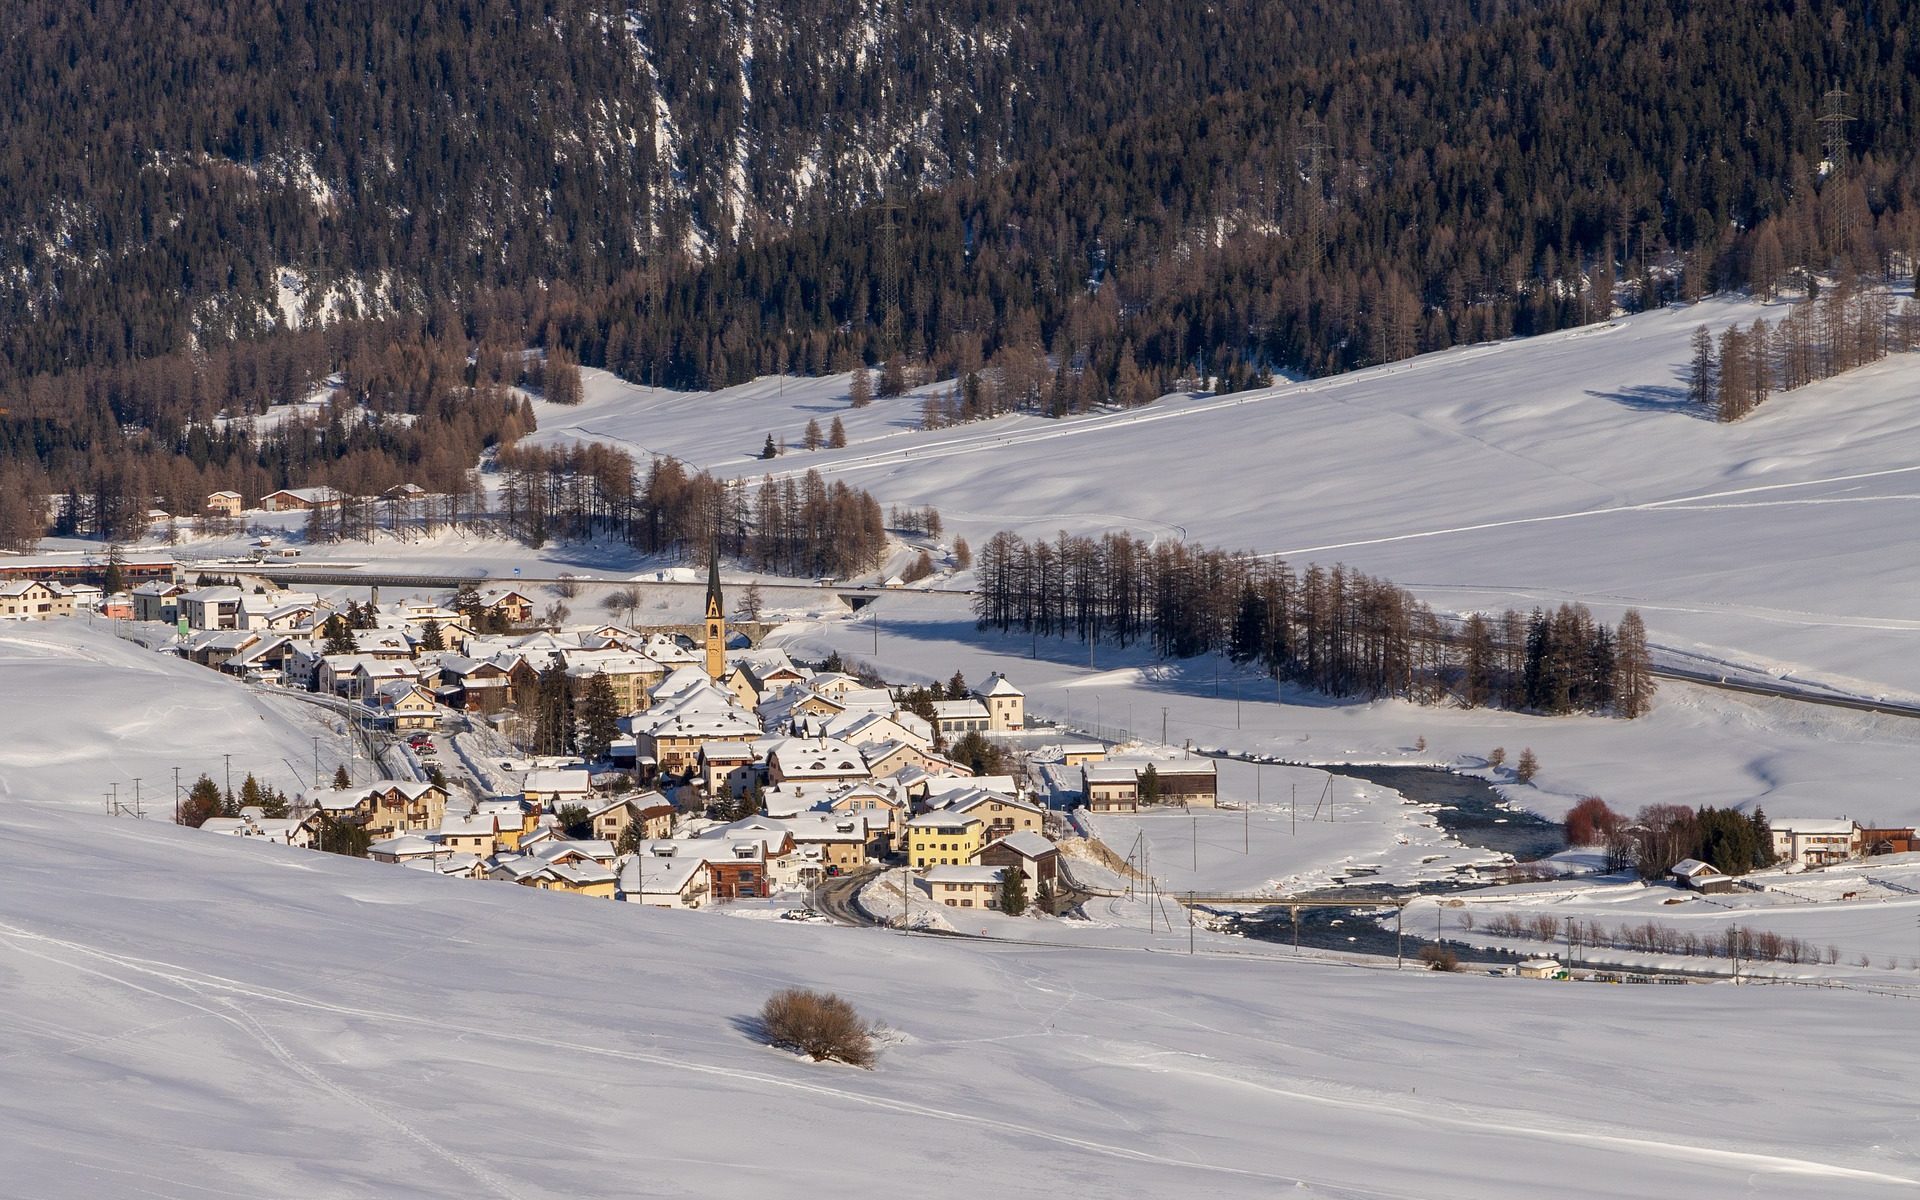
(1515,473)
(82,710)
(190,1016)
(1698,746)
(1343,831)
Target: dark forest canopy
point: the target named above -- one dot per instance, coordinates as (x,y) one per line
(169,162)
(1156,194)
(1334,631)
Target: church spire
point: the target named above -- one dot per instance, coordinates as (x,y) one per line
(716,619)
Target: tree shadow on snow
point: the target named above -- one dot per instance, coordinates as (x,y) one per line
(1663,398)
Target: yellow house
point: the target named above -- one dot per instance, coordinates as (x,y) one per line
(579,878)
(1006,704)
(938,839)
(473,835)
(224,504)
(1003,815)
(655,813)
(34,600)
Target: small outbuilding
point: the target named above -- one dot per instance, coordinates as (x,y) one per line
(1700,876)
(1539,968)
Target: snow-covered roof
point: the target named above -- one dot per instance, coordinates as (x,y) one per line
(977,876)
(999,686)
(563,782)
(1810,825)
(1027,844)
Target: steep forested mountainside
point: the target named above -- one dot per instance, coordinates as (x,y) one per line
(183,172)
(1494,182)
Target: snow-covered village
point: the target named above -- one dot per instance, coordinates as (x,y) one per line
(1046,600)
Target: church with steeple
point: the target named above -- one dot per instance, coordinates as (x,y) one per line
(716,619)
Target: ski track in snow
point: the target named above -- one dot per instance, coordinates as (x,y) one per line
(1157,1059)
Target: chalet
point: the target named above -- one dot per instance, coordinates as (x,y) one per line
(629,675)
(965,886)
(34,600)
(1006,704)
(252,822)
(943,838)
(404,805)
(1814,841)
(729,769)
(844,841)
(610,819)
(1002,814)
(1700,876)
(471,835)
(304,499)
(815,760)
(267,657)
(157,600)
(224,504)
(405,492)
(403,704)
(505,604)
(663,881)
(554,790)
(1029,853)
(216,648)
(671,732)
(887,759)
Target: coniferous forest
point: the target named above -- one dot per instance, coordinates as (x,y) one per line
(1329,630)
(211,208)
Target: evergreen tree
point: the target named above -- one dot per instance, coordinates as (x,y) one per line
(1045,897)
(201,802)
(1702,376)
(1013,891)
(341,779)
(252,795)
(769,450)
(115,580)
(599,718)
(431,638)
(339,636)
(1149,787)
(553,713)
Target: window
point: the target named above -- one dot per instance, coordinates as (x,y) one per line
(966,904)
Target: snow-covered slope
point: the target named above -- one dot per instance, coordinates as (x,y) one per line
(199,1016)
(81,710)
(1516,473)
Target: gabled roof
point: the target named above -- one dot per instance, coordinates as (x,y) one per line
(1027,844)
(989,876)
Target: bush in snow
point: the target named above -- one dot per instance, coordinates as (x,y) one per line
(818,1024)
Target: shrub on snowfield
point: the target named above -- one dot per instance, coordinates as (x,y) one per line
(818,1024)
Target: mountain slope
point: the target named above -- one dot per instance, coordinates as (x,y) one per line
(333,1028)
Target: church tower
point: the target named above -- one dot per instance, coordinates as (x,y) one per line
(716,619)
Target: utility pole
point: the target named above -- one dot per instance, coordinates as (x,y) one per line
(1293,810)
(176,791)
(229,759)
(1295,909)
(1196,840)
(138,813)
(1189,921)
(890,321)
(1163,724)
(1399,919)
(316,762)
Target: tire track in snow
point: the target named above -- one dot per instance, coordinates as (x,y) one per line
(1676,502)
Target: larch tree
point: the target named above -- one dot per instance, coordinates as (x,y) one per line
(836,435)
(810,437)
(860,388)
(1633,684)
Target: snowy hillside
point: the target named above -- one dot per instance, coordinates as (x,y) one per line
(1516,473)
(81,709)
(195,1016)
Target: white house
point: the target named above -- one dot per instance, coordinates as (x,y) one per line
(1814,841)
